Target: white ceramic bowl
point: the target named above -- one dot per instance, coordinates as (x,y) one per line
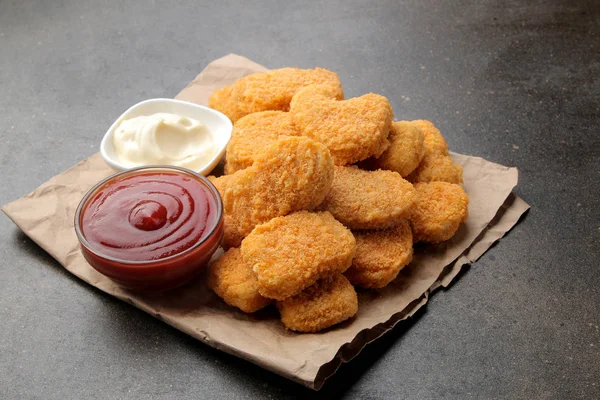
(219,125)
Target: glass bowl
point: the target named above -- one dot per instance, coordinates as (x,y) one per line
(157,274)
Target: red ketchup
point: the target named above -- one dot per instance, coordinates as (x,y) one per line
(148,216)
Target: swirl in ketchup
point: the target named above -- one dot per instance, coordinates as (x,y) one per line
(148,216)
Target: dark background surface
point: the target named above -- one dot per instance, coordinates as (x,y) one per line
(516,82)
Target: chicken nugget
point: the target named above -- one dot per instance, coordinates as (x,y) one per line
(406,150)
(232,236)
(441,208)
(252,134)
(437,167)
(273,90)
(436,164)
(288,254)
(233,230)
(380,255)
(222,100)
(324,304)
(233,281)
(353,130)
(434,140)
(292,174)
(369,199)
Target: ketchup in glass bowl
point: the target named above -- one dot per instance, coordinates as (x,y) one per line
(150,228)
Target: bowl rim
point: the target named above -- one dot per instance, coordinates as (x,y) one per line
(115,164)
(180,170)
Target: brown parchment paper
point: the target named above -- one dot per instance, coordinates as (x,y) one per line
(46,216)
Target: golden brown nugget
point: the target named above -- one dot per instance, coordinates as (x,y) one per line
(353,130)
(437,167)
(436,164)
(380,255)
(407,148)
(233,281)
(324,304)
(434,141)
(222,100)
(252,134)
(440,209)
(288,254)
(294,173)
(273,90)
(233,233)
(369,199)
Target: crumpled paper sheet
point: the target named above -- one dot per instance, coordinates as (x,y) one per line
(46,216)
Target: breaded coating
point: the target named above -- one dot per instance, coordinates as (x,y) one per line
(220,182)
(288,254)
(434,141)
(233,231)
(380,255)
(252,134)
(353,130)
(440,209)
(437,167)
(369,199)
(324,304)
(222,100)
(273,90)
(292,174)
(233,281)
(406,150)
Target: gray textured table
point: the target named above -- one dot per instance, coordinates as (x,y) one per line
(516,82)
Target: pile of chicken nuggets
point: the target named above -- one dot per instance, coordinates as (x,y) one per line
(322,195)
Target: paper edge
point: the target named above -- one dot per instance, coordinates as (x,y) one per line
(347,353)
(508,216)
